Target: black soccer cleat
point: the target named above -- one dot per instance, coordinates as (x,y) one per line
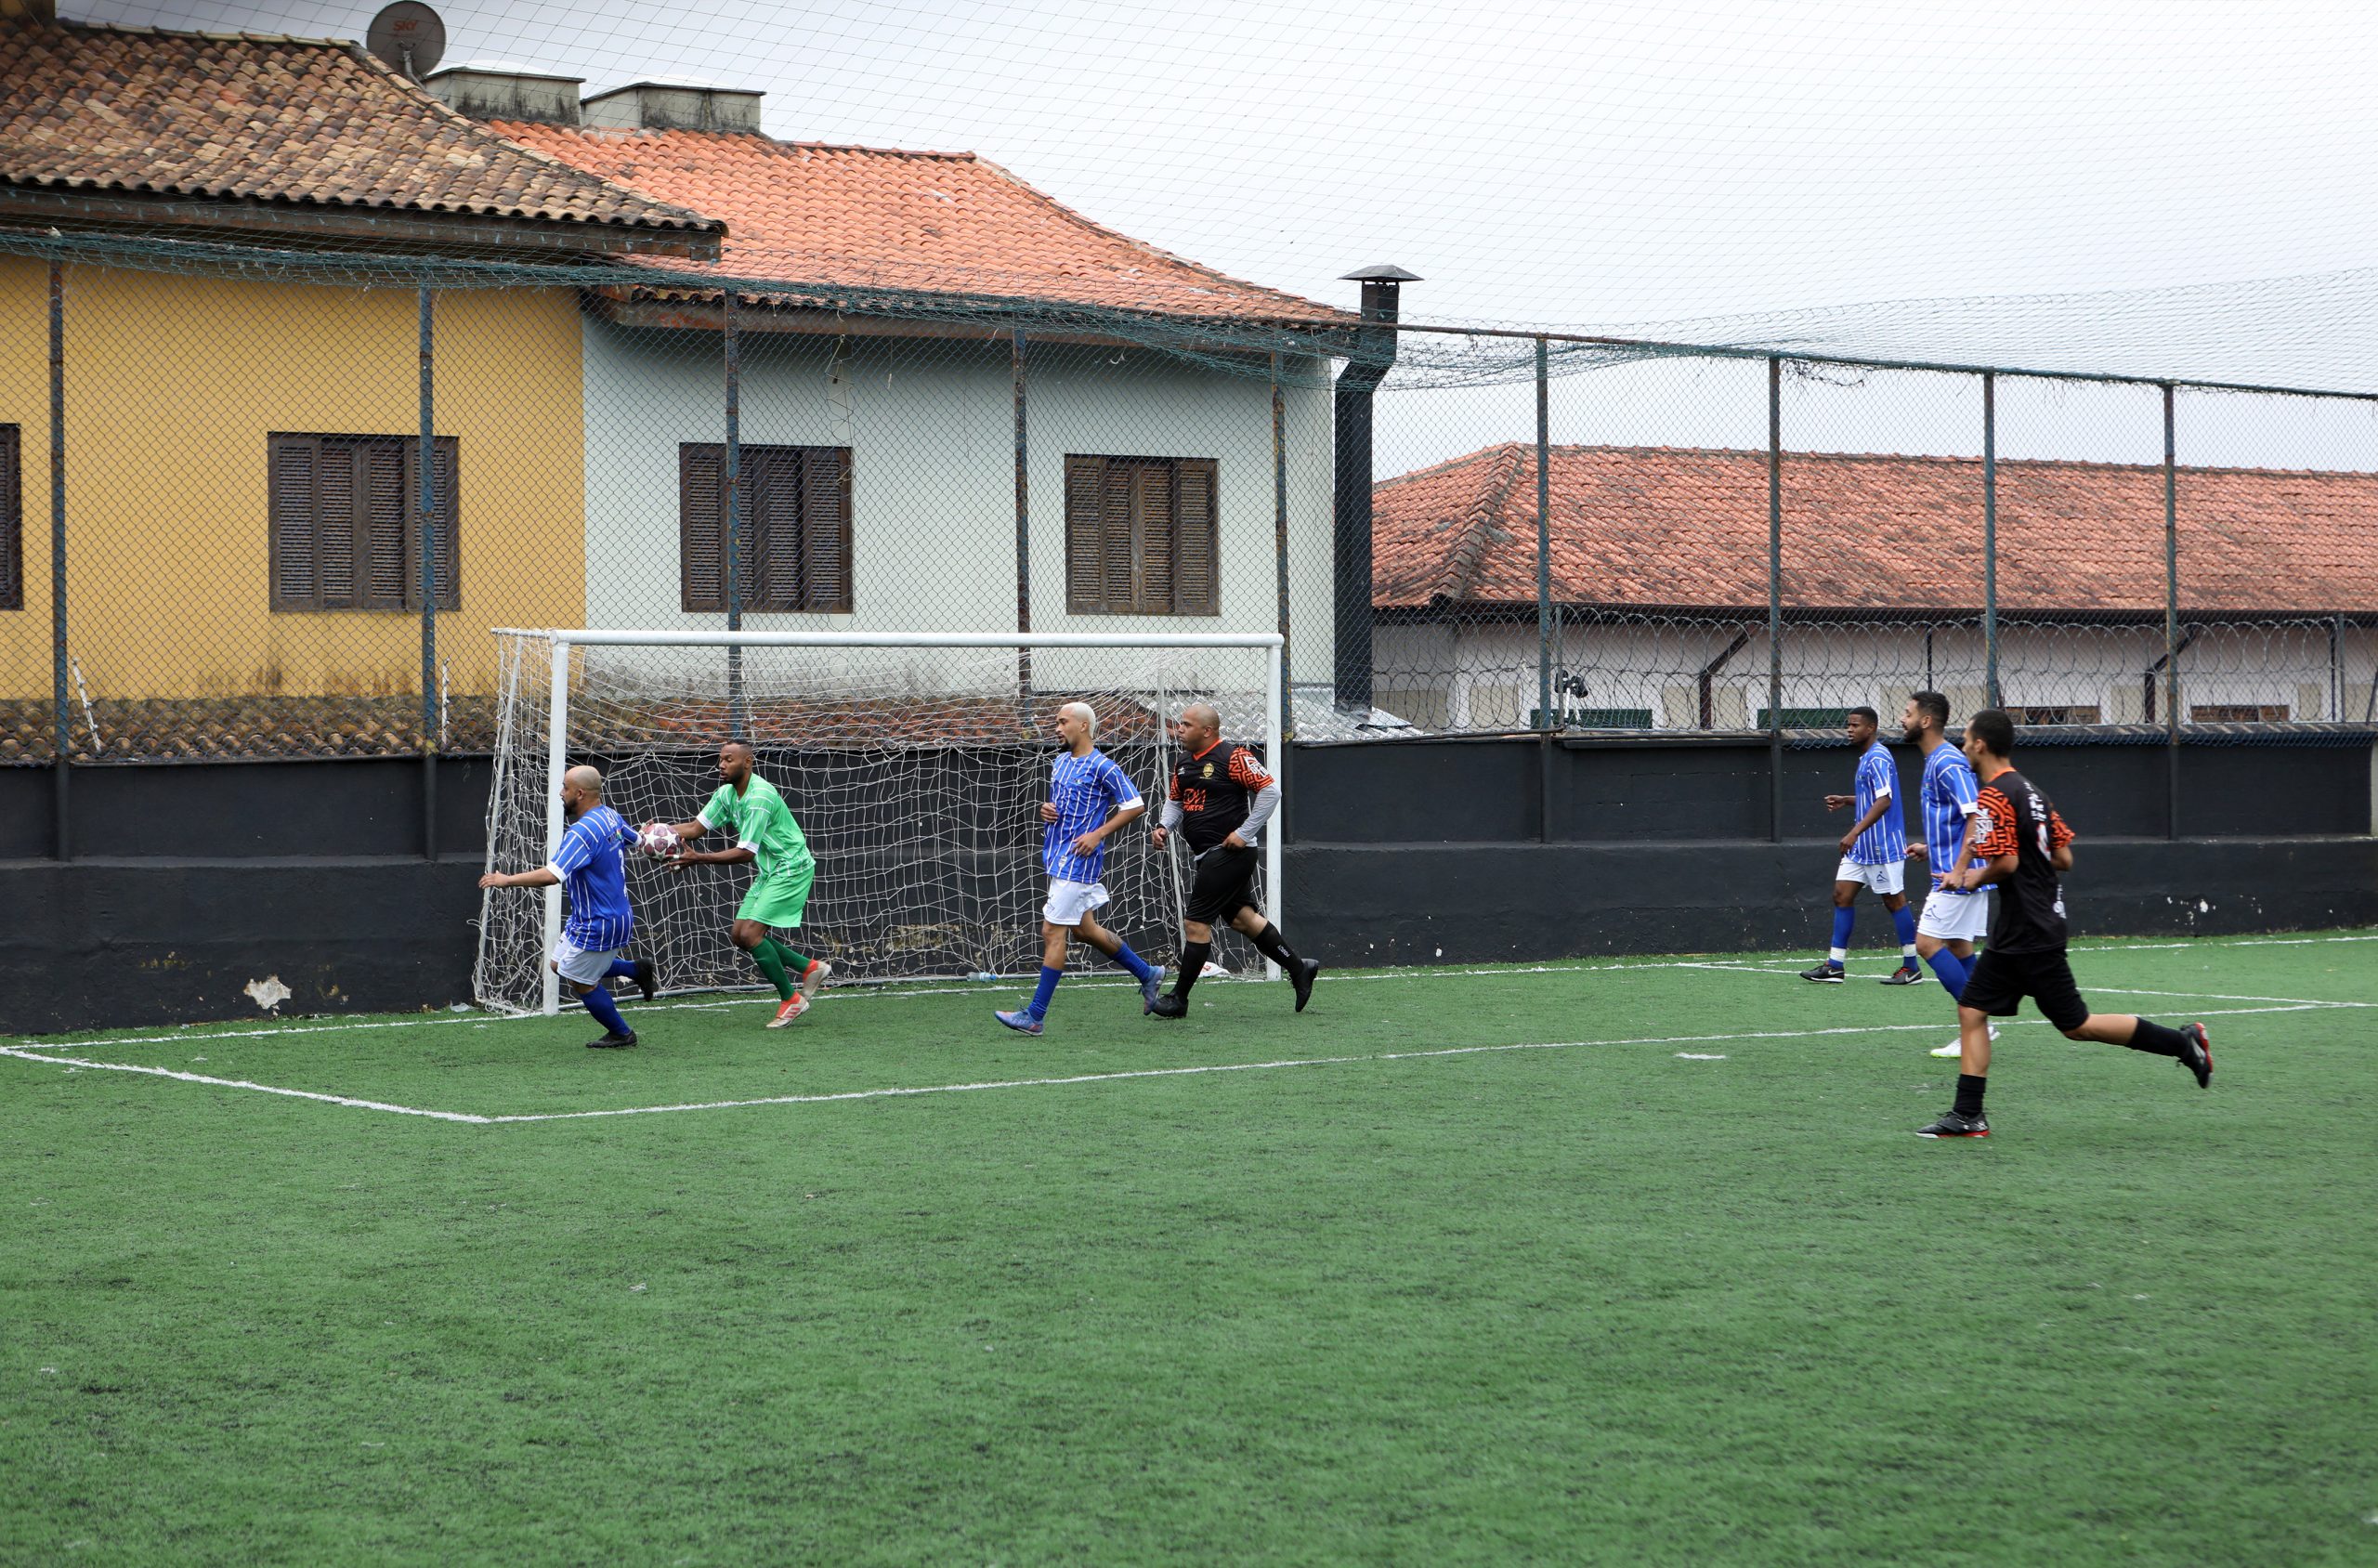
(1956,1124)
(1825,974)
(646,981)
(1905,974)
(1301,978)
(612,1042)
(1169,1007)
(2198,1057)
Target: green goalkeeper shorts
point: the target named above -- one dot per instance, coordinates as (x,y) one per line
(778,899)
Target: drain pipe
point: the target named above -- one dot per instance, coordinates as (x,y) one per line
(1366,366)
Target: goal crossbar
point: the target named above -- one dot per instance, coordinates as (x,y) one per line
(563,640)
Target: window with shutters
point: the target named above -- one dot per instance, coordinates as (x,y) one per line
(346,521)
(12,520)
(796,521)
(1140,536)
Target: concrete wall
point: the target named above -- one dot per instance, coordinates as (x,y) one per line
(1483,676)
(930,428)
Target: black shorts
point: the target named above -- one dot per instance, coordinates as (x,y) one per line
(1224,884)
(2000,981)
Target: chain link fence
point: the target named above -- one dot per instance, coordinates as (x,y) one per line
(222,540)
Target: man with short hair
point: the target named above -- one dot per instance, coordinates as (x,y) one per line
(1090,799)
(766,835)
(1874,855)
(592,949)
(1220,798)
(2023,853)
(1954,918)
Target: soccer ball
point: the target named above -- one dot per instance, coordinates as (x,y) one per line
(659,840)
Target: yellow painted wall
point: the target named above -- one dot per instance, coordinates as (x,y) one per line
(172,383)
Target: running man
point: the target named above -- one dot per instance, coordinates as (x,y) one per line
(1874,855)
(1220,799)
(749,806)
(2022,852)
(1954,917)
(1090,799)
(592,949)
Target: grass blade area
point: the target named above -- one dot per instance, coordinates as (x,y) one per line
(1677,1288)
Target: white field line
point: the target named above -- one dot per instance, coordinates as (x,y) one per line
(982,989)
(239,1083)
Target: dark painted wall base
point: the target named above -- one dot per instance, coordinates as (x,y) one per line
(1380,903)
(102,944)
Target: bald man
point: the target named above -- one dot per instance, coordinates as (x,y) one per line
(768,838)
(592,949)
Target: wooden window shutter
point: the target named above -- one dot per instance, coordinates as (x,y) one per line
(1196,576)
(335,556)
(825,529)
(1085,555)
(772,488)
(383,475)
(701,525)
(292,470)
(12,518)
(1152,508)
(1118,538)
(450,554)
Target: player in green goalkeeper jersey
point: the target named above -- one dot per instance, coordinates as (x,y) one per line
(747,808)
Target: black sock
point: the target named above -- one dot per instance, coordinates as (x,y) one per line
(1193,963)
(1969,1089)
(2158,1039)
(1274,945)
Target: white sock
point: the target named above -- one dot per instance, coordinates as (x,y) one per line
(1837,956)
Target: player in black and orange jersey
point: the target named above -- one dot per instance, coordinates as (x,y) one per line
(1221,797)
(2025,849)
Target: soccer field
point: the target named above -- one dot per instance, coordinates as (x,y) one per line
(1606,1262)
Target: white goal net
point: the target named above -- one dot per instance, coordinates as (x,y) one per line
(915,765)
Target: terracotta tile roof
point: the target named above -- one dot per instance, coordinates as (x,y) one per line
(259,118)
(1644,527)
(944,223)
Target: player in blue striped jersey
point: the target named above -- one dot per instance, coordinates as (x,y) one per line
(1954,916)
(1090,799)
(592,949)
(1874,855)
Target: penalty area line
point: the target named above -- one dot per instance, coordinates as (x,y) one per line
(349,1100)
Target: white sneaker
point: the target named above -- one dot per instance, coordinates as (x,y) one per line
(1957,1047)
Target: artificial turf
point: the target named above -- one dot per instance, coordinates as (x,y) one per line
(1605,1303)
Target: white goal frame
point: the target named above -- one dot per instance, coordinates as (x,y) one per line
(558,714)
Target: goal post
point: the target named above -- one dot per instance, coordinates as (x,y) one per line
(914,762)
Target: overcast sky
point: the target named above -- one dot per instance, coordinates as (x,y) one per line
(1578,164)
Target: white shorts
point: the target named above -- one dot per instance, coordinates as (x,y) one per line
(1954,917)
(581,967)
(1888,877)
(1068,901)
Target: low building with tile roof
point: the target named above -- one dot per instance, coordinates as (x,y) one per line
(241,472)
(1657,576)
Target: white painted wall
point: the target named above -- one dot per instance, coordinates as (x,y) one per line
(930,427)
(1487,676)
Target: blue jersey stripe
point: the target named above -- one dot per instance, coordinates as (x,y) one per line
(1949,789)
(1885,843)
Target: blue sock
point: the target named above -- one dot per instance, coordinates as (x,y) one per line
(1047,988)
(606,1012)
(1904,917)
(1951,969)
(1131,961)
(1843,920)
(621,970)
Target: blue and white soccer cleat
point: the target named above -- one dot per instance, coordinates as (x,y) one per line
(1150,989)
(1022,1022)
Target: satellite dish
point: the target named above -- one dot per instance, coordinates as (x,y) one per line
(408,37)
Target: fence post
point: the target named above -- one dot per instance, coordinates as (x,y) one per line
(738,725)
(427,534)
(1989,536)
(1774,599)
(1023,523)
(1543,536)
(1280,561)
(2171,619)
(61,731)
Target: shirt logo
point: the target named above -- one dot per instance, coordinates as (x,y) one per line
(1209,771)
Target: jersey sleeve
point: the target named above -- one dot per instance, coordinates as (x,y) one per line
(1957,784)
(718,811)
(2059,835)
(1117,784)
(1999,812)
(577,848)
(1246,770)
(1876,773)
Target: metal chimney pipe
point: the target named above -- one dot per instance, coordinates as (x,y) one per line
(1374,355)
